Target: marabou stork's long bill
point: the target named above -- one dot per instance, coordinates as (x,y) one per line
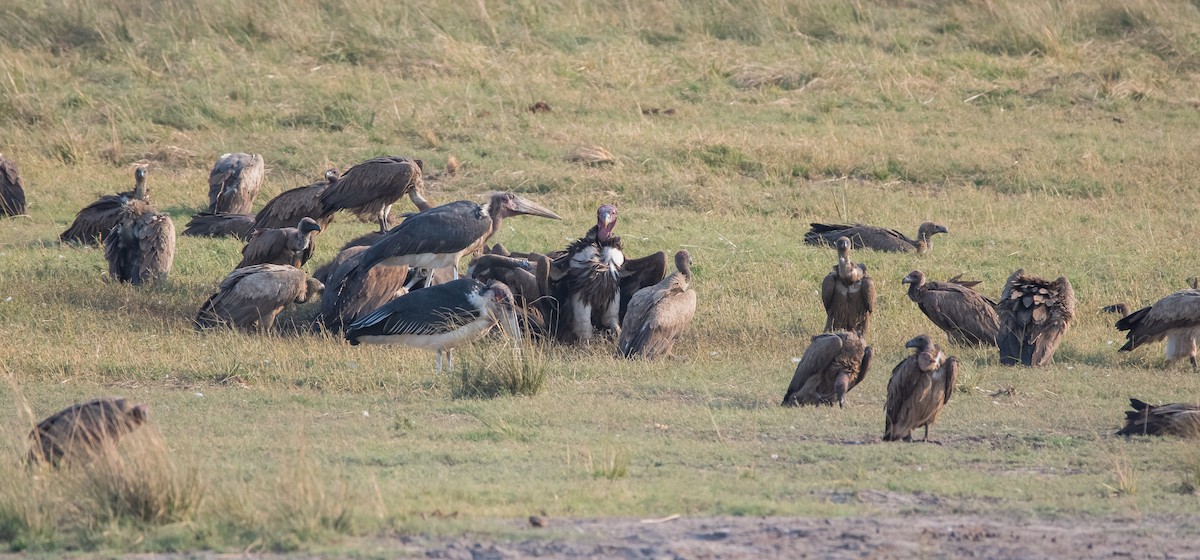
(439,317)
(439,237)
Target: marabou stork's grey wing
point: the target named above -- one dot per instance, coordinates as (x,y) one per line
(12,190)
(94,220)
(449,228)
(1180,310)
(288,207)
(266,246)
(156,244)
(370,183)
(817,357)
(239,226)
(428,311)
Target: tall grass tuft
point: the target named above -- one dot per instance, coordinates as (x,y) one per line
(497,368)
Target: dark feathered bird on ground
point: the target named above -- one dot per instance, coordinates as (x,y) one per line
(1175,317)
(12,190)
(848,294)
(234,182)
(97,219)
(84,429)
(141,247)
(1034,314)
(289,206)
(968,317)
(1118,309)
(877,238)
(250,298)
(833,364)
(290,245)
(239,226)
(529,279)
(439,317)
(918,389)
(1177,419)
(659,314)
(369,189)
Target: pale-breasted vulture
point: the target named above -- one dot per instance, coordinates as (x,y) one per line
(289,245)
(1034,314)
(659,314)
(1176,419)
(833,364)
(234,182)
(97,219)
(1175,318)
(369,189)
(920,386)
(288,207)
(968,317)
(250,298)
(12,189)
(877,238)
(848,294)
(84,429)
(141,247)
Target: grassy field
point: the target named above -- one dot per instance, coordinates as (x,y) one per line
(1055,136)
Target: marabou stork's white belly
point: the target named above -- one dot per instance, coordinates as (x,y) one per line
(440,341)
(424,260)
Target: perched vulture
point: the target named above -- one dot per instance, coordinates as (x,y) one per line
(293,204)
(968,317)
(658,314)
(290,245)
(439,317)
(141,247)
(97,219)
(1034,313)
(1175,318)
(12,190)
(848,294)
(352,291)
(920,386)
(871,237)
(251,297)
(84,429)
(1177,419)
(593,281)
(369,189)
(528,278)
(239,226)
(234,182)
(833,364)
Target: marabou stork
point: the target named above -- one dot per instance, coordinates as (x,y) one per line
(84,429)
(234,182)
(290,245)
(871,237)
(368,189)
(918,389)
(12,190)
(141,247)
(97,219)
(439,317)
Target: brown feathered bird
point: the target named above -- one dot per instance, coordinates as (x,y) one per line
(81,430)
(659,314)
(141,247)
(290,245)
(1034,313)
(353,291)
(97,219)
(250,298)
(234,182)
(877,238)
(920,386)
(289,206)
(238,226)
(369,189)
(12,190)
(833,364)
(1175,318)
(968,317)
(848,294)
(1176,419)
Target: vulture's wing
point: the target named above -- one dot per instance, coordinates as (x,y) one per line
(1059,310)
(951,377)
(864,366)
(290,206)
(365,185)
(817,357)
(12,190)
(824,234)
(955,308)
(1180,310)
(156,245)
(266,246)
(641,273)
(879,239)
(94,220)
(239,226)
(828,289)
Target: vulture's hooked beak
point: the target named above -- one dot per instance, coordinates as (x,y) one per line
(914,343)
(522,205)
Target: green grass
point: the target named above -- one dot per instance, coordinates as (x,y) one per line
(1054,136)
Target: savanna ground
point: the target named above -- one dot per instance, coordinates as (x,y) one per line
(1055,136)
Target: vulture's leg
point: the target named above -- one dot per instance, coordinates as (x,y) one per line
(1192,359)
(383,218)
(439,359)
(926,433)
(450,358)
(582,316)
(612,320)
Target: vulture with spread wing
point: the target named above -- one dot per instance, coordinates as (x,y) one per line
(141,247)
(659,314)
(920,386)
(871,237)
(292,205)
(848,294)
(1175,318)
(234,182)
(1034,314)
(97,219)
(250,298)
(12,189)
(968,317)
(1176,419)
(84,429)
(833,364)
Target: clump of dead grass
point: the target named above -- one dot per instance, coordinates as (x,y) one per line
(592,156)
(760,77)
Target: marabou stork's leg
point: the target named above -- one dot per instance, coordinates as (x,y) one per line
(455,271)
(428,272)
(416,276)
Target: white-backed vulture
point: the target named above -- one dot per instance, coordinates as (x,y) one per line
(289,206)
(369,189)
(250,298)
(97,219)
(1034,314)
(289,245)
(84,429)
(1119,309)
(832,364)
(234,182)
(12,189)
(848,294)
(1176,419)
(352,291)
(528,277)
(877,238)
(659,314)
(238,226)
(1175,318)
(141,247)
(968,317)
(920,386)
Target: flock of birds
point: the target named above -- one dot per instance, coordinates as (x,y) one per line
(401,285)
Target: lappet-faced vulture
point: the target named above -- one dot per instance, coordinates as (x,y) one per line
(968,317)
(593,281)
(289,206)
(920,386)
(239,226)
(871,237)
(848,294)
(97,219)
(1175,318)
(659,314)
(1176,419)
(528,277)
(290,245)
(1034,313)
(234,182)
(141,247)
(12,190)
(369,189)
(833,364)
(84,429)
(439,317)
(251,298)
